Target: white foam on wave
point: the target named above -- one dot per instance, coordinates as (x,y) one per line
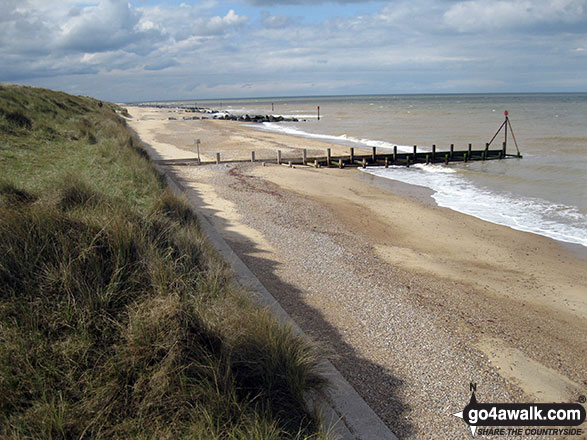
(338,139)
(452,190)
(435,168)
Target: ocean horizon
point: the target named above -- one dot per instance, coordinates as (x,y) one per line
(232,100)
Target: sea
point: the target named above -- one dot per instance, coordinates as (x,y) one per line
(545,192)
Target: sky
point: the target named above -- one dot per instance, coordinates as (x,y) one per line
(140,50)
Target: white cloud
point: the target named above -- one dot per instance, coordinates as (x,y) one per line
(301,2)
(415,15)
(109,25)
(481,15)
(275,21)
(405,45)
(217,25)
(186,21)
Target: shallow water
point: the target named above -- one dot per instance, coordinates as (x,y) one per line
(544,193)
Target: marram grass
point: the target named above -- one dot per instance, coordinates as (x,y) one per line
(117,319)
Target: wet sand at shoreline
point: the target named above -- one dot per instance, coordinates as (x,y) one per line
(413,301)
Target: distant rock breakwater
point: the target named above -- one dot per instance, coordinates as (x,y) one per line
(224,115)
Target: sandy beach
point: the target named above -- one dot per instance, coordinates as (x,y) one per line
(411,302)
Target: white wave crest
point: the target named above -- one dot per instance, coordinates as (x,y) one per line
(338,139)
(452,190)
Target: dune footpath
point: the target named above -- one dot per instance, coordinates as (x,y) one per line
(412,302)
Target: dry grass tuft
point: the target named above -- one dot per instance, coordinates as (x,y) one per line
(117,319)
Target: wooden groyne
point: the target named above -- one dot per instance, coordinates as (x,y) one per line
(375,158)
(386,158)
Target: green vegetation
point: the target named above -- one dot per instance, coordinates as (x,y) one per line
(117,319)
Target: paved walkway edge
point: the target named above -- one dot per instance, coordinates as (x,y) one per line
(345,412)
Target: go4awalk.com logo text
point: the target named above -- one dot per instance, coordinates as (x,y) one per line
(523,419)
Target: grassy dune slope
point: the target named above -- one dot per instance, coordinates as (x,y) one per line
(117,320)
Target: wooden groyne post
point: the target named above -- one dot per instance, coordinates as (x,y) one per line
(364,158)
(198,151)
(415,156)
